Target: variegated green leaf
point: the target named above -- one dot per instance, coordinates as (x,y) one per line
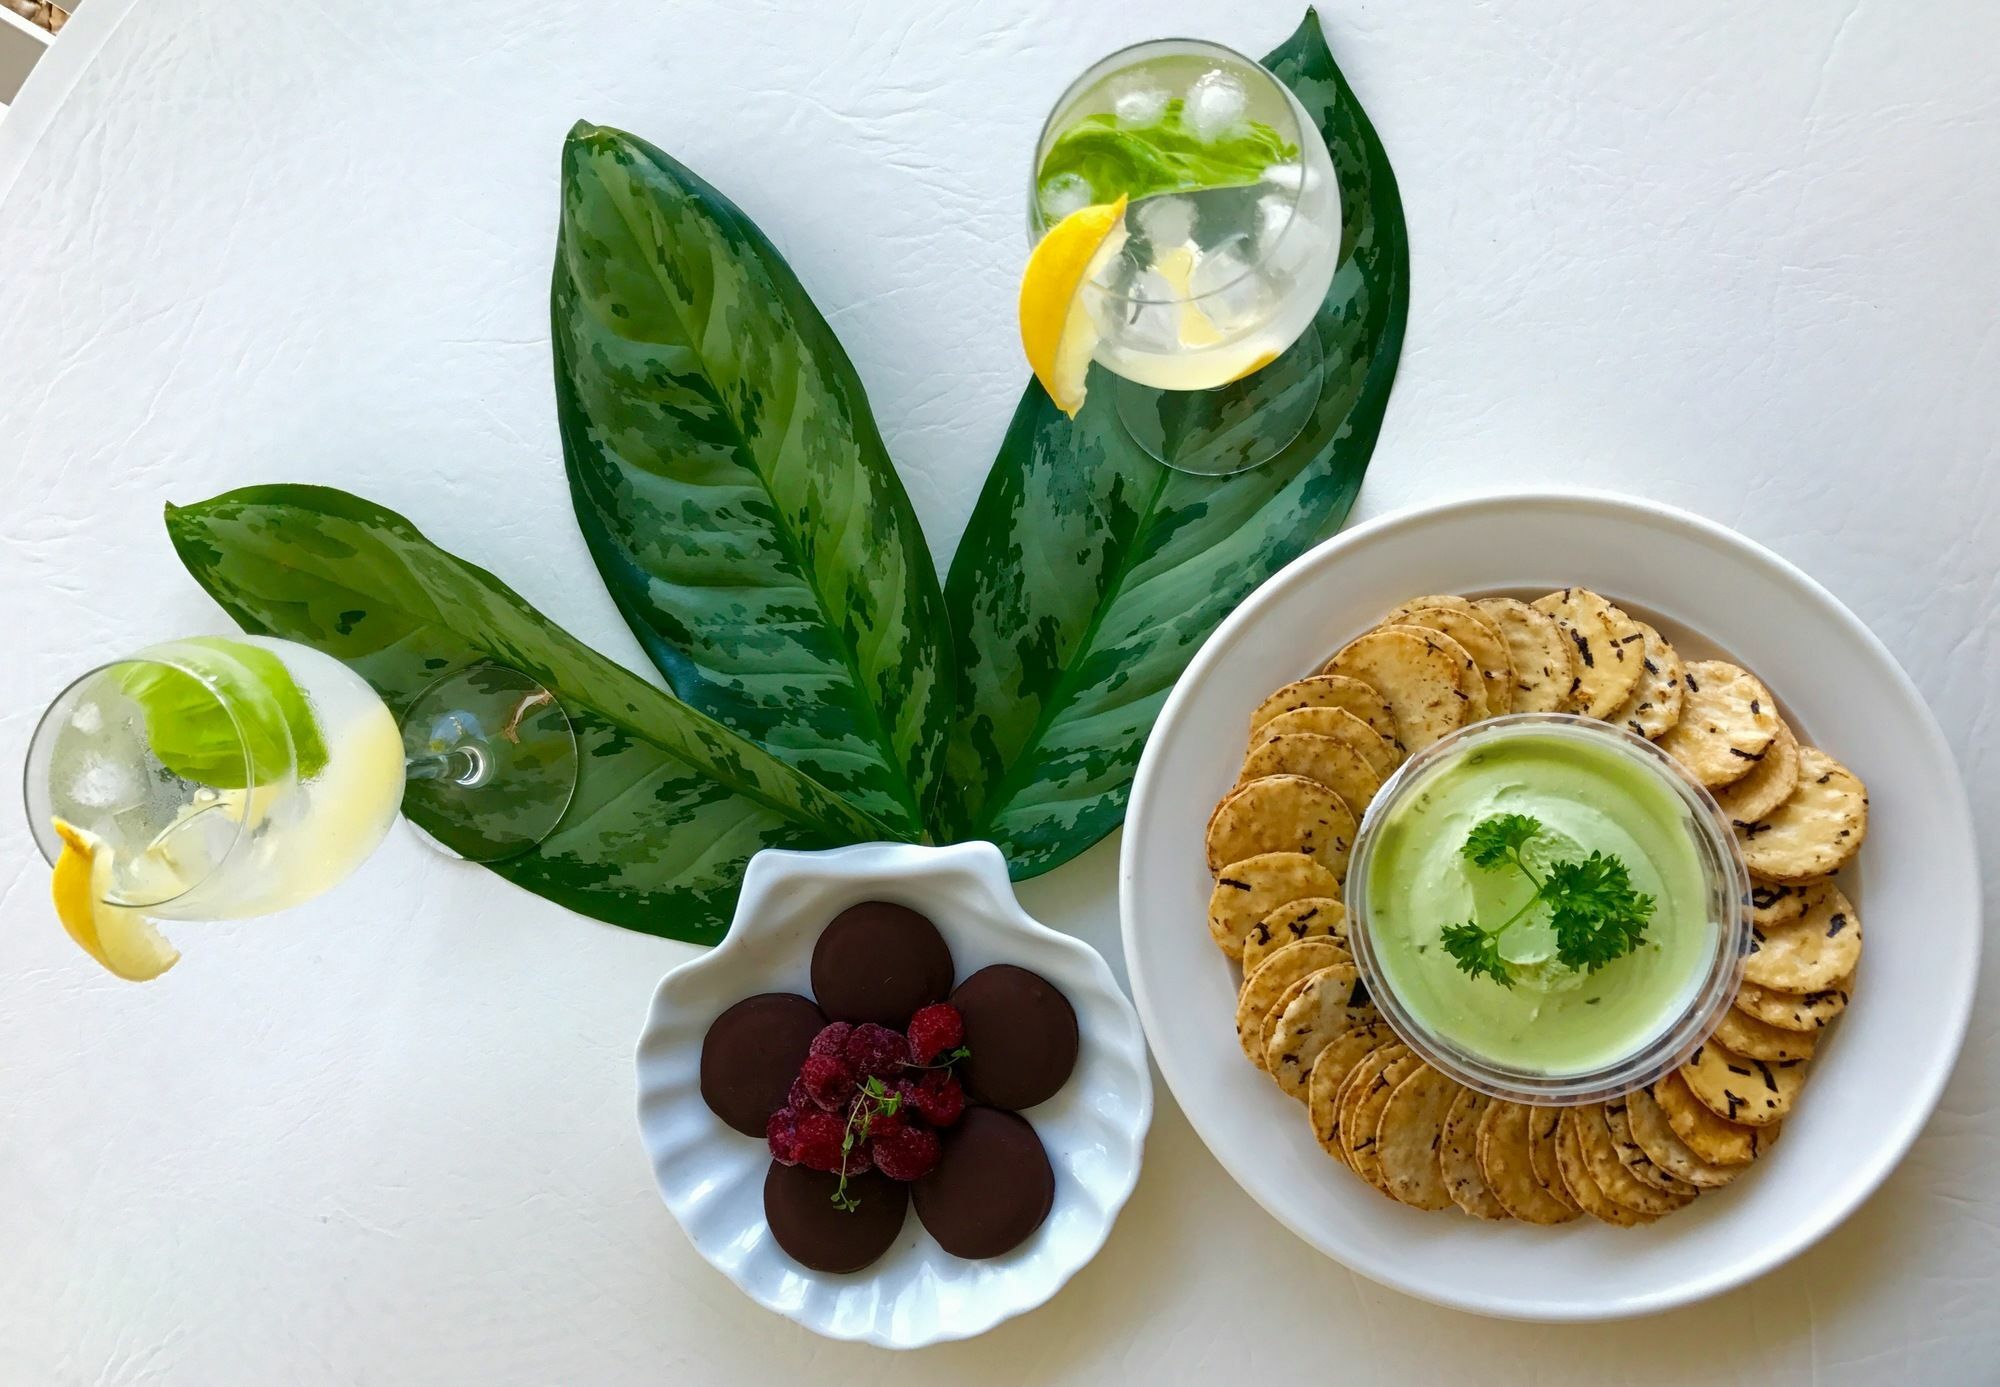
(670,805)
(1089,573)
(732,484)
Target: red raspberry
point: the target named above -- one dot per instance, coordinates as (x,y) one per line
(782,1135)
(935,1030)
(832,1039)
(828,1082)
(819,1138)
(861,1159)
(938,1097)
(876,1051)
(907,1152)
(796,1097)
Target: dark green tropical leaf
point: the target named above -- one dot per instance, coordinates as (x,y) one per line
(732,484)
(670,804)
(1089,573)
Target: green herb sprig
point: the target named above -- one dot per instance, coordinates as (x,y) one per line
(874,1100)
(1594,912)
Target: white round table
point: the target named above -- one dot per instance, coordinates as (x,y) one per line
(1737,259)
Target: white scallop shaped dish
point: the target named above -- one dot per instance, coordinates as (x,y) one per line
(712,1178)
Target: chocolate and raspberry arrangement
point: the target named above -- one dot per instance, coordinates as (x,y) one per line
(890,1086)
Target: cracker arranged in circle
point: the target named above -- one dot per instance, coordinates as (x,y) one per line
(1746,1035)
(1414,672)
(1713,1139)
(1818,827)
(1263,989)
(1362,1080)
(1332,1001)
(1773,902)
(1246,891)
(1755,1093)
(1330,691)
(1310,917)
(1582,1186)
(1599,1149)
(1450,601)
(1364,1123)
(1543,1124)
(1811,951)
(1508,1170)
(1476,635)
(1458,1157)
(1543,661)
(1655,1136)
(1769,784)
(1465,670)
(1607,644)
(1282,813)
(1794,1011)
(1618,1117)
(1340,725)
(1728,721)
(1408,1137)
(1654,705)
(1329,760)
(1329,1072)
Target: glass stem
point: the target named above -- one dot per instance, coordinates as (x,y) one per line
(462,765)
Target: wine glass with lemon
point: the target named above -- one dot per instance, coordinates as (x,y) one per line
(217,778)
(1185,222)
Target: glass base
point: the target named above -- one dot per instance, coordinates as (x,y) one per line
(492,762)
(1234,427)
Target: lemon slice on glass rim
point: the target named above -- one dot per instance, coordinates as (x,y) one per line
(1057,329)
(117,936)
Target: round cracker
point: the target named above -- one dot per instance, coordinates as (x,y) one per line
(1728,722)
(1340,725)
(1772,902)
(1755,1093)
(1359,1080)
(1331,761)
(1767,786)
(1465,670)
(1413,671)
(1543,1124)
(1329,1071)
(1617,1116)
(1332,1001)
(1330,691)
(1278,974)
(1746,1035)
(1811,951)
(1793,1011)
(1713,1139)
(1818,827)
(1311,917)
(1663,1146)
(1544,665)
(1450,601)
(1607,644)
(1482,642)
(1458,1157)
(1246,891)
(1282,813)
(1654,705)
(1508,1170)
(1599,1149)
(1409,1135)
(1364,1124)
(1583,1187)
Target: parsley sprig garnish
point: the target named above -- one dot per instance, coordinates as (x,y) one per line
(1593,911)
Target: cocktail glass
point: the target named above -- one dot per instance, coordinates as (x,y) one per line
(1231,239)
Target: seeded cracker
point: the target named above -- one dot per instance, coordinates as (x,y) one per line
(1728,721)
(1414,673)
(1333,763)
(1816,830)
(1245,892)
(1313,917)
(1713,1139)
(1543,1124)
(1656,1137)
(1482,642)
(1608,646)
(1408,1136)
(1363,1079)
(1794,1011)
(1450,601)
(1465,670)
(1739,1089)
(1654,705)
(1330,691)
(1505,1163)
(1367,1119)
(1281,813)
(1811,951)
(1340,725)
(1263,989)
(1767,786)
(1759,1040)
(1600,1157)
(1544,666)
(1583,1188)
(1458,1157)
(1617,1117)
(1329,1072)
(1332,1001)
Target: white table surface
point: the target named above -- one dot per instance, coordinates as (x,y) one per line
(1738,258)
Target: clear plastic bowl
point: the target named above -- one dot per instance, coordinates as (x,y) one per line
(1728,892)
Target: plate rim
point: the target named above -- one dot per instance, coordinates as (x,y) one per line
(1962,849)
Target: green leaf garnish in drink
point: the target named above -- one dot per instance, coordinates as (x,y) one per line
(1167,155)
(189,723)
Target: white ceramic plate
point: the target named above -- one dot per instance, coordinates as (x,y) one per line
(712,1178)
(1878,1072)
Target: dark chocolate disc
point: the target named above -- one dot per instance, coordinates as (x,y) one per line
(992,1187)
(818,1233)
(879,962)
(1022,1035)
(751,1054)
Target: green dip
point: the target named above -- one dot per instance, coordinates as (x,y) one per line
(1554,1020)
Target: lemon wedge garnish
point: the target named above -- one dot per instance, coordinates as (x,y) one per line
(1056,328)
(117,936)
